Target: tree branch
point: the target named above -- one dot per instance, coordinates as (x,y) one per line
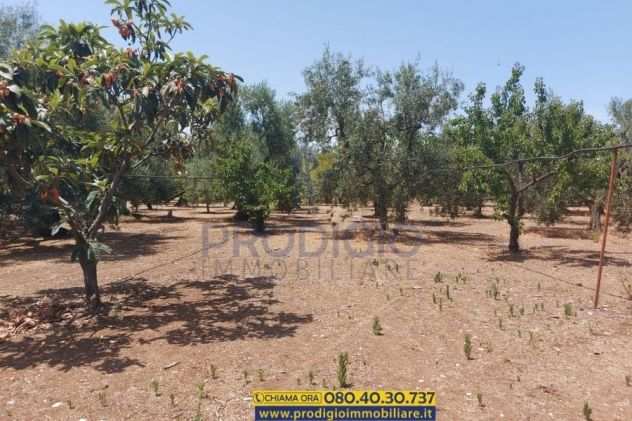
(536,181)
(107,199)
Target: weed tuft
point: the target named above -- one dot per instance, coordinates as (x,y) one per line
(342,370)
(467,347)
(587,412)
(377,327)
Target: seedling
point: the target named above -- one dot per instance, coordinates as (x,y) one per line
(154,386)
(467,347)
(628,380)
(342,370)
(172,399)
(460,278)
(213,371)
(627,287)
(200,391)
(102,399)
(489,347)
(434,298)
(377,327)
(568,310)
(438,277)
(200,396)
(511,310)
(310,377)
(531,339)
(447,292)
(500,324)
(440,304)
(522,310)
(587,412)
(479,398)
(494,291)
(539,286)
(245,374)
(401,291)
(260,375)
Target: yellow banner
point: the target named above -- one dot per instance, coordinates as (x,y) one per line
(344,398)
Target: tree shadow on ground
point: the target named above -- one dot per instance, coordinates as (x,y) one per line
(124,245)
(139,313)
(438,223)
(409,235)
(562,232)
(561,255)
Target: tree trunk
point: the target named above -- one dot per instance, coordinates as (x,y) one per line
(513,218)
(90,281)
(381,212)
(149,206)
(595,217)
(478,211)
(400,212)
(514,234)
(208,209)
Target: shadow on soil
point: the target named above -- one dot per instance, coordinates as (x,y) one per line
(139,313)
(563,256)
(124,245)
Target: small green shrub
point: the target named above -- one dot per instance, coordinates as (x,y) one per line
(342,370)
(377,327)
(467,347)
(587,412)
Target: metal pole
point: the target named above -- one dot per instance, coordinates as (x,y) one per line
(604,237)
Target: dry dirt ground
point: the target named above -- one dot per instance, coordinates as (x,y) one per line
(186,334)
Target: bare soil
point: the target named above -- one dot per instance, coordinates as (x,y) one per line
(186,334)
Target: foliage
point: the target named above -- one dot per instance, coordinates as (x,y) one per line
(151,184)
(376,327)
(152,98)
(205,186)
(253,184)
(508,130)
(342,370)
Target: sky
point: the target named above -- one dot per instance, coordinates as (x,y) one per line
(581,48)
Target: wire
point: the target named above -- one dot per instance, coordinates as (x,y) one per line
(440,169)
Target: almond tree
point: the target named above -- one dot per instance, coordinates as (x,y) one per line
(509,132)
(153,100)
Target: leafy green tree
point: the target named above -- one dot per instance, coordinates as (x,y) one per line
(252,183)
(151,184)
(154,99)
(323,176)
(621,113)
(328,112)
(272,125)
(18,24)
(206,183)
(509,131)
(332,102)
(421,102)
